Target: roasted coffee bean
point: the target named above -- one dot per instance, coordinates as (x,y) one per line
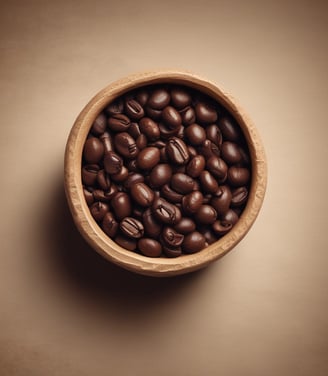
(132,179)
(107,141)
(134,130)
(185,226)
(221,200)
(115,107)
(193,242)
(230,152)
(149,128)
(99,195)
(111,192)
(93,150)
(89,174)
(180,98)
(133,109)
(160,175)
(148,158)
(182,183)
(188,115)
(209,235)
(126,145)
(166,132)
(171,237)
(121,176)
(192,151)
(142,96)
(171,117)
(238,176)
(208,182)
(99,125)
(229,129)
(195,134)
(88,196)
(196,166)
(109,225)
(229,217)
(103,180)
(158,99)
(126,242)
(149,247)
(205,113)
(98,210)
(177,151)
(112,163)
(153,114)
(152,226)
(217,168)
(118,123)
(208,149)
(206,215)
(166,212)
(192,202)
(171,195)
(221,228)
(239,196)
(172,251)
(141,142)
(132,228)
(142,194)
(121,205)
(214,134)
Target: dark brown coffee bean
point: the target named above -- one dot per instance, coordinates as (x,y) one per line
(158,99)
(112,163)
(213,133)
(126,242)
(132,228)
(166,212)
(121,205)
(107,141)
(142,194)
(217,168)
(188,115)
(166,132)
(229,217)
(229,129)
(152,226)
(132,179)
(115,107)
(134,130)
(180,98)
(88,196)
(172,251)
(98,210)
(126,145)
(99,125)
(206,215)
(192,151)
(121,176)
(171,195)
(185,226)
(196,166)
(192,202)
(208,149)
(208,182)
(171,117)
(93,150)
(103,180)
(149,247)
(221,200)
(221,228)
(153,114)
(177,151)
(230,152)
(111,192)
(89,174)
(209,235)
(109,225)
(239,196)
(171,237)
(193,242)
(182,183)
(142,96)
(99,195)
(148,158)
(149,128)
(141,142)
(238,176)
(160,175)
(118,123)
(205,113)
(195,134)
(133,109)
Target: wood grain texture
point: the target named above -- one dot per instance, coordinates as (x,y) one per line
(90,230)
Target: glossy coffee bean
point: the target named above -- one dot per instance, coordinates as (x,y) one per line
(188,115)
(88,196)
(107,141)
(217,167)
(206,215)
(209,235)
(134,130)
(171,117)
(158,99)
(93,150)
(208,182)
(182,183)
(132,179)
(132,228)
(112,163)
(170,194)
(149,128)
(193,242)
(121,176)
(118,123)
(185,226)
(111,192)
(121,205)
(177,151)
(229,217)
(98,210)
(221,200)
(150,247)
(99,125)
(148,158)
(126,145)
(208,149)
(180,98)
(192,151)
(221,228)
(160,175)
(141,142)
(239,196)
(142,194)
(166,212)
(205,113)
(152,226)
(89,174)
(153,113)
(109,225)
(171,237)
(192,202)
(214,134)
(126,242)
(142,96)
(230,152)
(195,134)
(172,252)
(195,166)
(229,129)
(238,176)
(133,109)
(167,132)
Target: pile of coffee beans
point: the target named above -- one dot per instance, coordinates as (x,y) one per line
(165,170)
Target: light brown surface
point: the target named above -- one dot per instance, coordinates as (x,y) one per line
(91,231)
(263,308)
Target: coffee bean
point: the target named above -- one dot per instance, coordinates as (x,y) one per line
(142,194)
(134,130)
(126,242)
(229,217)
(149,128)
(99,125)
(239,196)
(238,176)
(171,251)
(171,195)
(142,96)
(221,228)
(185,226)
(206,215)
(93,150)
(149,247)
(188,115)
(148,158)
(205,113)
(152,226)
(229,129)
(180,98)
(133,109)
(217,168)
(113,163)
(171,117)
(141,142)
(166,212)
(118,123)
(231,153)
(167,132)
(160,175)
(107,141)
(121,176)
(209,235)
(132,179)
(99,195)
(158,99)
(177,151)
(214,134)
(182,183)
(125,145)
(193,242)
(98,210)
(89,174)
(196,166)
(103,180)
(192,202)
(195,134)
(109,225)
(208,182)
(171,237)
(121,205)
(132,228)
(115,107)
(208,149)
(221,200)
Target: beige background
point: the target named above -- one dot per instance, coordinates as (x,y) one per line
(262,309)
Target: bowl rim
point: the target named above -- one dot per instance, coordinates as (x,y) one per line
(89,228)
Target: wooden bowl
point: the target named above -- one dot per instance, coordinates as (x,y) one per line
(87,225)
